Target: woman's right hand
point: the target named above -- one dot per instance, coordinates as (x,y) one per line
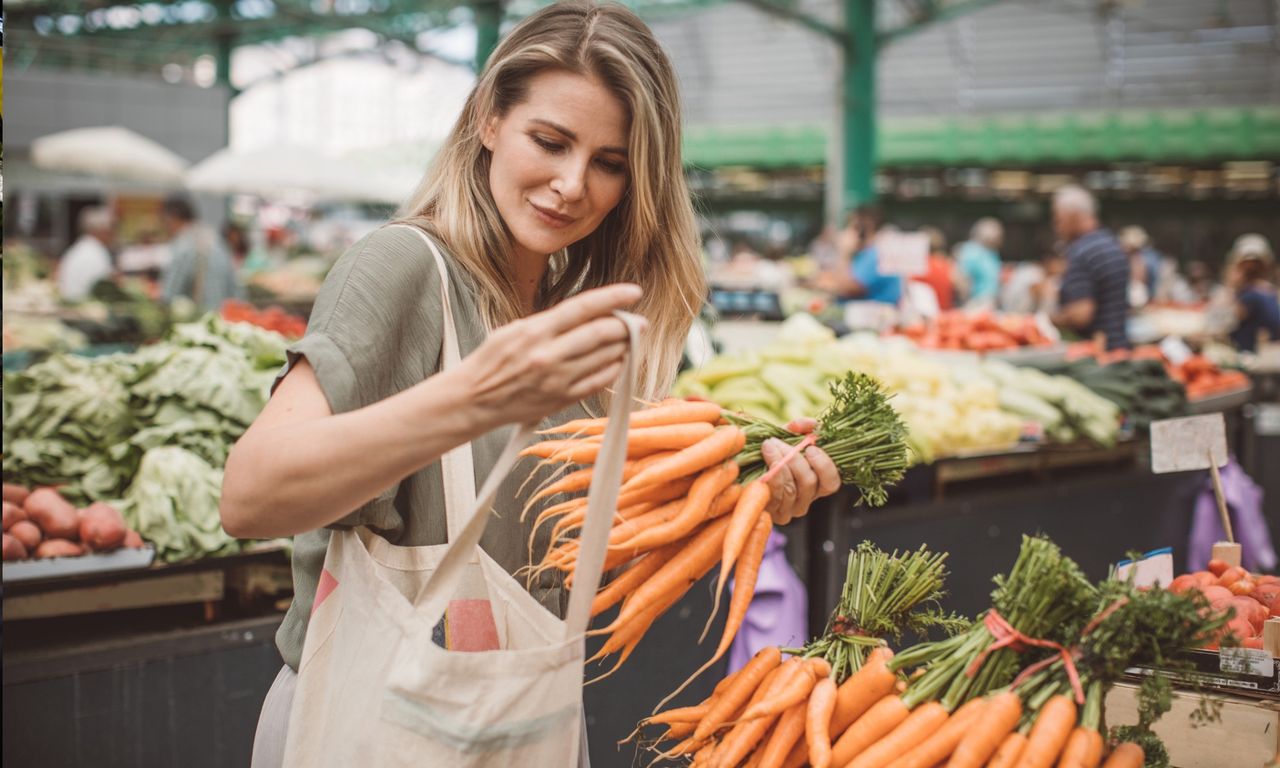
(541,364)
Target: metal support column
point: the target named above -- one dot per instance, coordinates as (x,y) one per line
(859,103)
(488,20)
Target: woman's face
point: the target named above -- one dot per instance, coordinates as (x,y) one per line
(559,161)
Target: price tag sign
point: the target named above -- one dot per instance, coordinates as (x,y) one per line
(1246,661)
(1179,445)
(1154,569)
(1175,350)
(902,253)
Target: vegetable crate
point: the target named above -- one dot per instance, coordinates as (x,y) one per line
(1247,735)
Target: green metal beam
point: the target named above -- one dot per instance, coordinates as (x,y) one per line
(858,105)
(488,23)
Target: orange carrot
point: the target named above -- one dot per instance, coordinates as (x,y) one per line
(884,716)
(679,715)
(786,734)
(1009,752)
(580,480)
(938,745)
(1083,749)
(744,736)
(706,488)
(640,443)
(681,571)
(1126,755)
(678,731)
(633,577)
(983,739)
(822,703)
(679,412)
(745,574)
(861,690)
(1049,734)
(754,498)
(746,682)
(725,443)
(923,720)
(788,691)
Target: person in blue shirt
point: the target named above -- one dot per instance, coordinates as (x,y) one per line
(1257,308)
(979,262)
(861,279)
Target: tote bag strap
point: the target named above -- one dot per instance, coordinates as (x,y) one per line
(457,465)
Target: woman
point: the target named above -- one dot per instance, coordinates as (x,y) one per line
(1256,306)
(558,198)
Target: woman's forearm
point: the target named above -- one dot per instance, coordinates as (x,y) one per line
(285,480)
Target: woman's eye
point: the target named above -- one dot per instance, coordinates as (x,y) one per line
(612,166)
(549,146)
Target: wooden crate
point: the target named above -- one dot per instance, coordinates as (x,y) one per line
(1247,736)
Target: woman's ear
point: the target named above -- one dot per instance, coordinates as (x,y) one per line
(489,132)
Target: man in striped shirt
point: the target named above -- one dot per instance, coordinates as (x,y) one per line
(1094,297)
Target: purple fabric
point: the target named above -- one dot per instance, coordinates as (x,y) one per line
(1244,505)
(778,611)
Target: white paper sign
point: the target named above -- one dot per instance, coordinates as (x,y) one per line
(902,253)
(1175,350)
(1246,661)
(1179,445)
(1153,569)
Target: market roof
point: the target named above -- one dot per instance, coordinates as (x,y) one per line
(107,34)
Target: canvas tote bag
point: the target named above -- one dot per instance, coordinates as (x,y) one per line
(375,688)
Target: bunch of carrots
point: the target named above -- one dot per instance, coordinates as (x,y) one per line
(991,695)
(694,495)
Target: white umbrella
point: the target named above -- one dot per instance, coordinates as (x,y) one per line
(110,152)
(289,172)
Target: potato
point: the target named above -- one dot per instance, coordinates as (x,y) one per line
(15,494)
(13,514)
(133,540)
(59,548)
(101,527)
(54,514)
(13,549)
(28,533)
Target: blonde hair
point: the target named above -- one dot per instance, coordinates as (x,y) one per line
(650,238)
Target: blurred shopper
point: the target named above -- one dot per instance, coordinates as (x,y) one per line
(200,267)
(88,260)
(1032,286)
(1145,262)
(825,249)
(1094,297)
(938,272)
(1249,273)
(858,276)
(237,242)
(979,262)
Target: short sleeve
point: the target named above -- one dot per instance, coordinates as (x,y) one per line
(376,330)
(865,269)
(1077,282)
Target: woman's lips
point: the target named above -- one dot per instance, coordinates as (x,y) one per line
(550,217)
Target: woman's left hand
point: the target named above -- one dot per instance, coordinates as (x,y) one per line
(809,475)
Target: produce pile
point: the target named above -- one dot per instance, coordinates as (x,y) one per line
(1022,686)
(977,332)
(149,431)
(42,524)
(694,495)
(950,404)
(272,318)
(1141,388)
(1255,598)
(1199,375)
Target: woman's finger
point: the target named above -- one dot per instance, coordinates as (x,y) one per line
(585,338)
(587,306)
(806,481)
(802,426)
(828,473)
(581,367)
